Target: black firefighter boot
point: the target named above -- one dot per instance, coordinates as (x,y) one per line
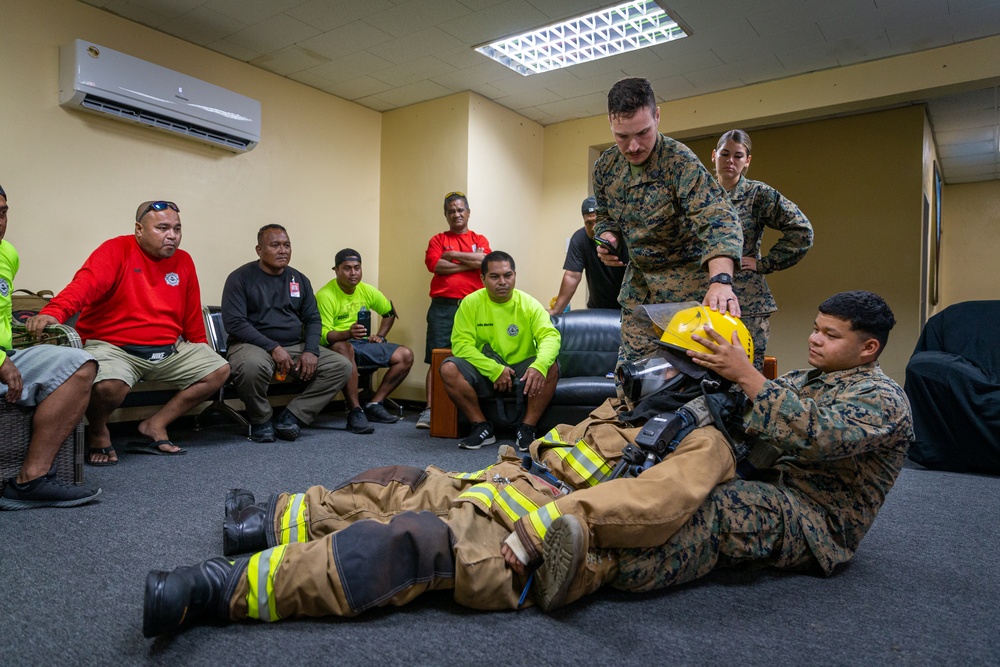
(189,595)
(237,499)
(245,531)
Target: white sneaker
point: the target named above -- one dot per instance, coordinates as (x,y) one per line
(424,420)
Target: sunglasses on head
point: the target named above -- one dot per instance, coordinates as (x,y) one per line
(454,194)
(158,206)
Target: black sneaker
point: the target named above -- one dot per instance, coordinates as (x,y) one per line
(358,423)
(524,437)
(262,432)
(287,426)
(45,491)
(376,412)
(480,434)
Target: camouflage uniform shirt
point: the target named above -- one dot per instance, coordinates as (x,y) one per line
(673,216)
(759,206)
(842,437)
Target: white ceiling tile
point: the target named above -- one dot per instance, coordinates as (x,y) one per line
(945,121)
(578,107)
(233,50)
(754,70)
(636,61)
(346,39)
(975,24)
(982,159)
(971,101)
(412,72)
(310,79)
(669,88)
(168,8)
(415,45)
(138,13)
(962,149)
(462,57)
(358,87)
(680,57)
(274,33)
(288,60)
(329,14)
(480,5)
(251,11)
(972,179)
(496,22)
(351,66)
(967,135)
(528,99)
(416,15)
(971,172)
(375,103)
(414,92)
(596,84)
(559,10)
(856,51)
(486,72)
(536,114)
(520,84)
(799,61)
(202,26)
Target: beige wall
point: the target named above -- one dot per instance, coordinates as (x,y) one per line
(859,181)
(425,155)
(75,179)
(467,143)
(970,241)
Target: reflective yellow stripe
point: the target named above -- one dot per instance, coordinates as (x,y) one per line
(484,493)
(553,438)
(260,577)
(470,475)
(293,520)
(588,464)
(542,518)
(514,503)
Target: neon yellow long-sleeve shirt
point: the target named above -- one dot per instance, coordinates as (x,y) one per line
(516,330)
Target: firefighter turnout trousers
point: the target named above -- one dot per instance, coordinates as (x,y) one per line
(386,536)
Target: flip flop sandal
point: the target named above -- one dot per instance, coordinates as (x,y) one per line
(107,451)
(152,448)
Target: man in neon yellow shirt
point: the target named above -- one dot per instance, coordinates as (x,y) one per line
(503,342)
(341,301)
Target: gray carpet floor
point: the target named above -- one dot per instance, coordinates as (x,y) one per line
(922,589)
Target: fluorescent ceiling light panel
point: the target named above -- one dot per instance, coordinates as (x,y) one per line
(625,27)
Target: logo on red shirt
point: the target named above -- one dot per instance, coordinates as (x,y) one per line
(172,279)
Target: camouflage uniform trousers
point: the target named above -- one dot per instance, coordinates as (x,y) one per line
(760,330)
(742,524)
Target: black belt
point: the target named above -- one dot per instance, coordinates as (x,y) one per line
(444,299)
(150,352)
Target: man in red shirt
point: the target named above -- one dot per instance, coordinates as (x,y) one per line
(455,258)
(140,316)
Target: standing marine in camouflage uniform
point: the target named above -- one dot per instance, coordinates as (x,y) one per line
(837,437)
(656,201)
(759,206)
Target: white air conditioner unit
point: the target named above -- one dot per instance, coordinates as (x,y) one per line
(103,81)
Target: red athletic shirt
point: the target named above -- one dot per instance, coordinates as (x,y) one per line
(129,298)
(455,285)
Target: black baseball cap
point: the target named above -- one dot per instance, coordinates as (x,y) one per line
(589,205)
(2,193)
(344,255)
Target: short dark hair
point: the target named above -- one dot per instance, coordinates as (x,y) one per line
(866,311)
(273,225)
(452,196)
(496,256)
(629,95)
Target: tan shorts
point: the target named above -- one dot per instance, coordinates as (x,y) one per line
(190,363)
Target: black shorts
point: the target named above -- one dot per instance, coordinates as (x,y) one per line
(482,384)
(440,320)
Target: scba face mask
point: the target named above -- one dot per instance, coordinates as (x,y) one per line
(647,376)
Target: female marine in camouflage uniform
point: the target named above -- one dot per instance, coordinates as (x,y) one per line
(759,206)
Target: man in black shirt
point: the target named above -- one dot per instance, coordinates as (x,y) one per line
(603,281)
(270,314)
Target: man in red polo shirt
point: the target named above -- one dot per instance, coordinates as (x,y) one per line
(140,316)
(455,258)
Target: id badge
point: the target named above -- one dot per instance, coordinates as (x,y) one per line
(293,289)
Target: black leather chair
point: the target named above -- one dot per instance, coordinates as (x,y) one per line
(953,383)
(587,358)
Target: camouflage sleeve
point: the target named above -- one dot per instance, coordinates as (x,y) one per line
(862,415)
(602,174)
(707,207)
(796,231)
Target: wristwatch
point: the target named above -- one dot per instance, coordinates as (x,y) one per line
(722,279)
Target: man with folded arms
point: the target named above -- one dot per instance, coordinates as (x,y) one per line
(140,316)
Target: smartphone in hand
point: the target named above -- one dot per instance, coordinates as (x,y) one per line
(607,245)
